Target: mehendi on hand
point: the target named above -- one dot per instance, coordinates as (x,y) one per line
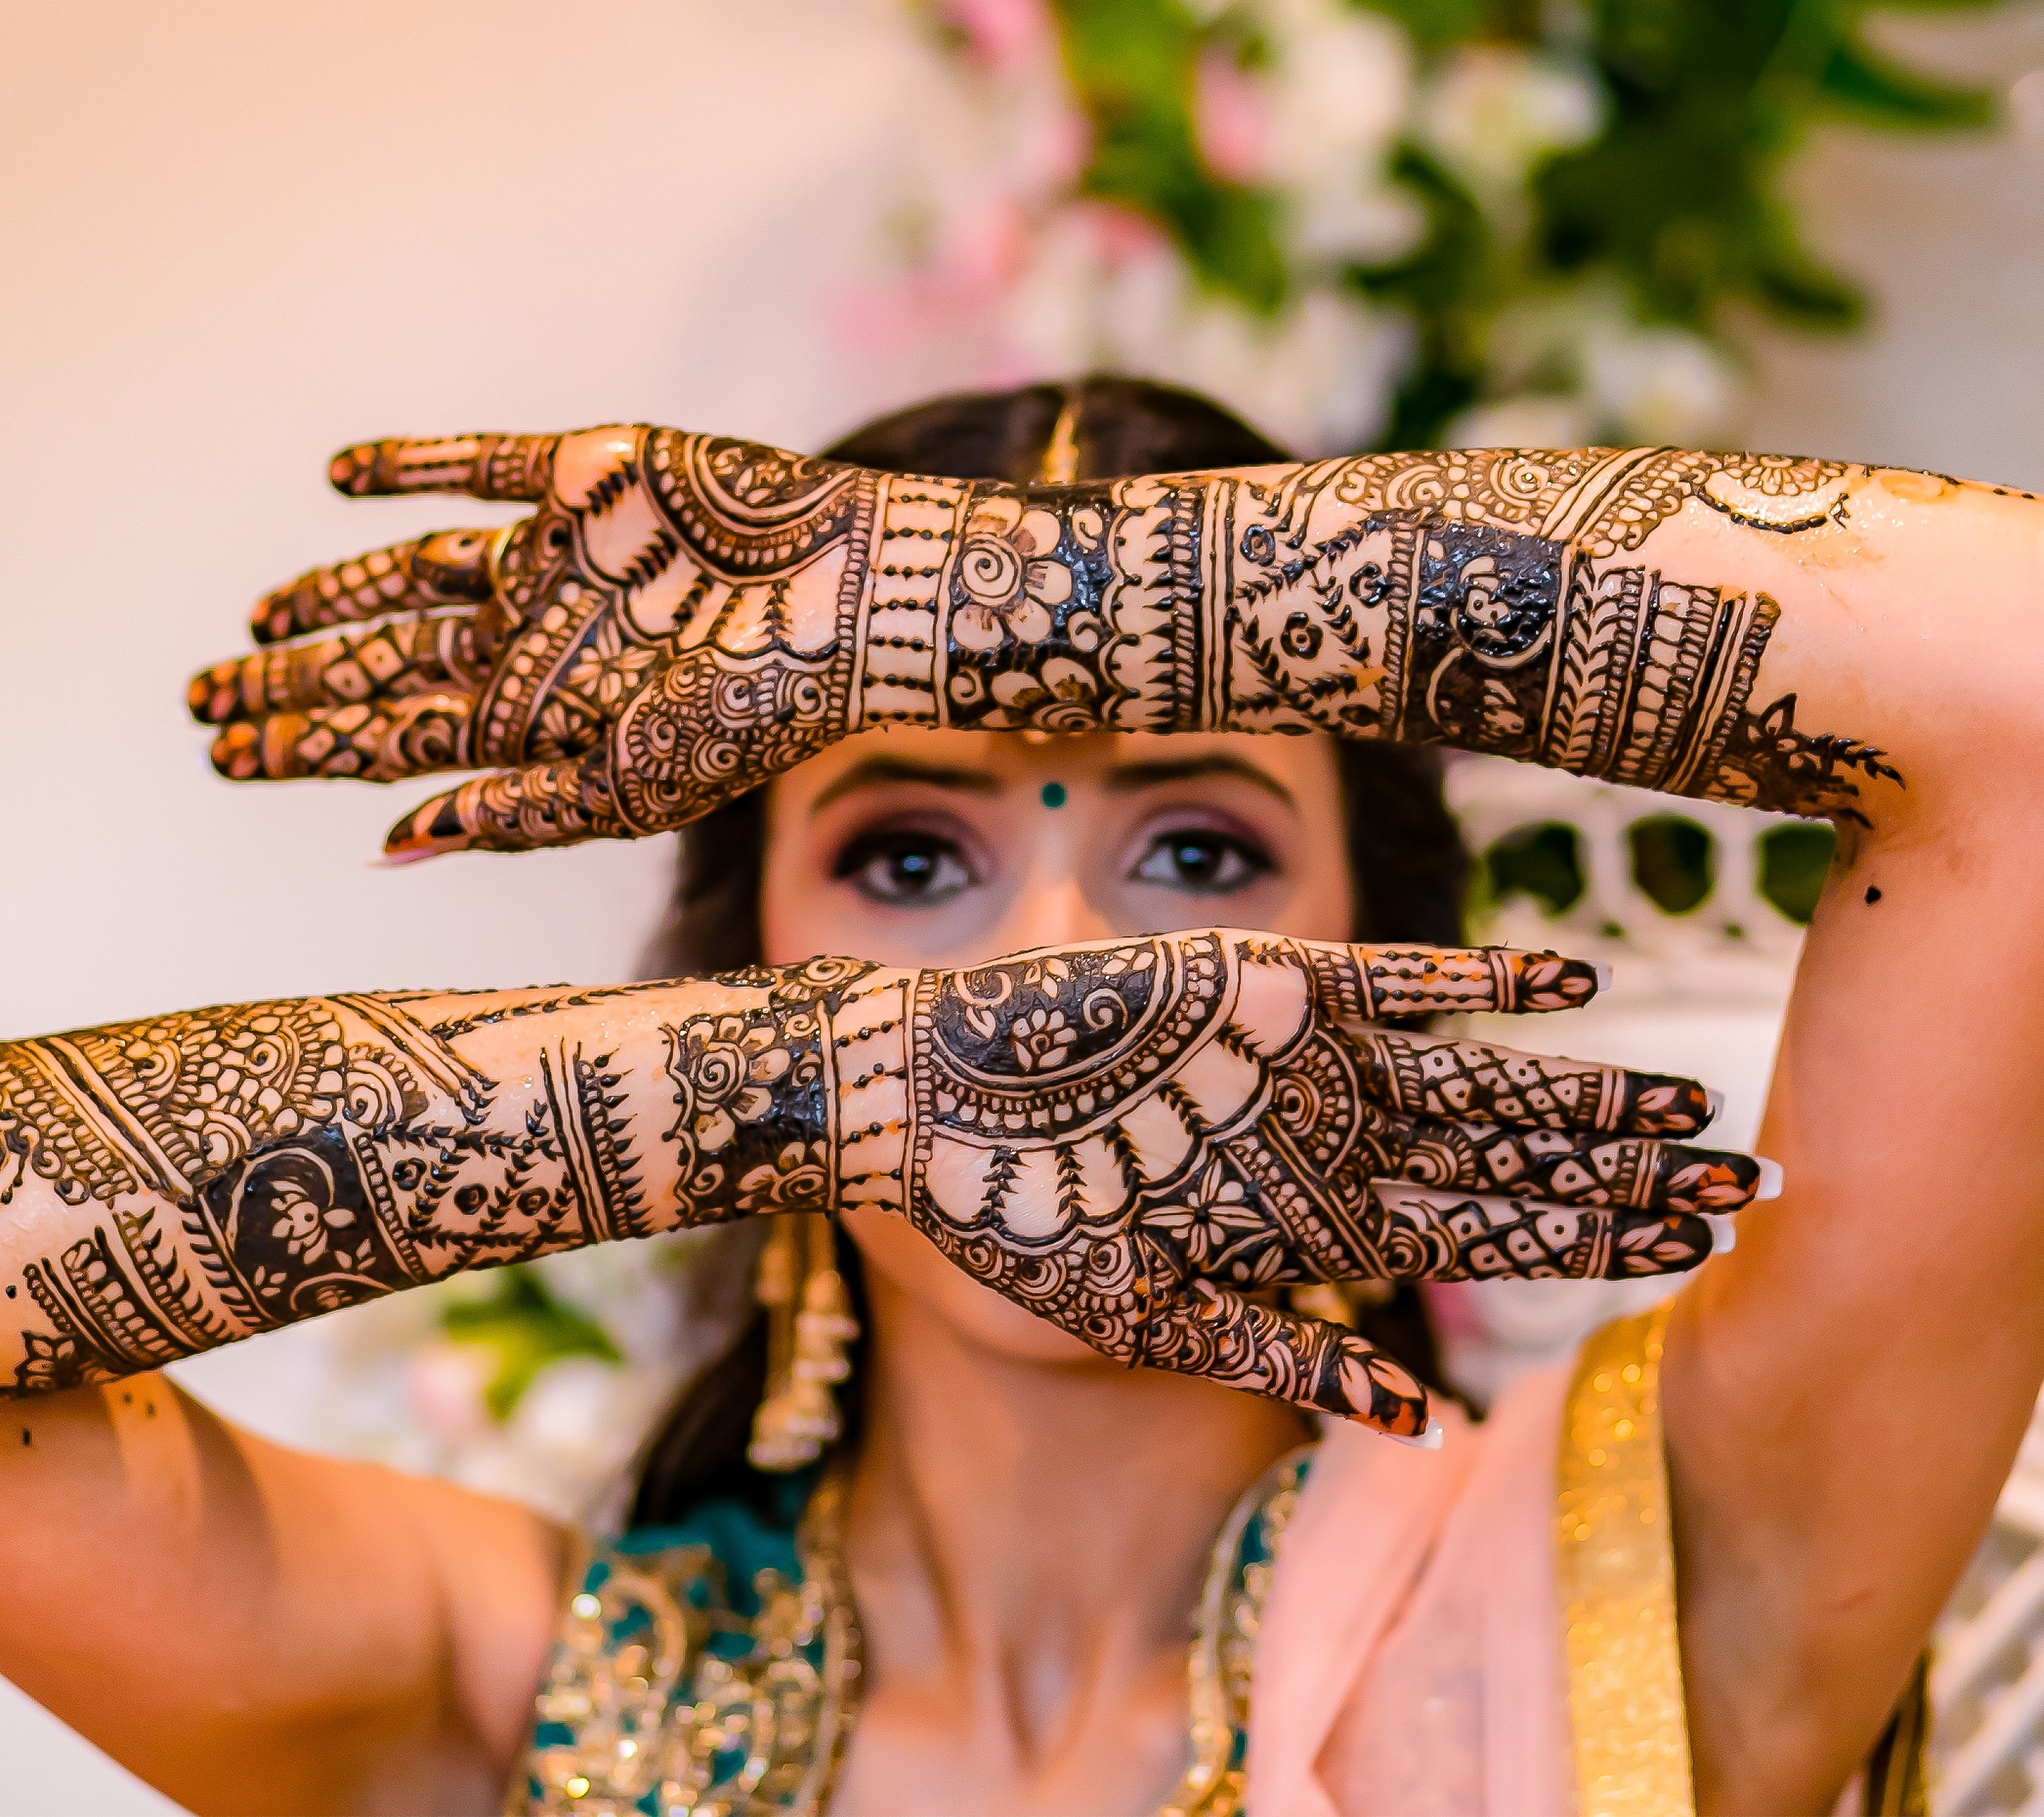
(685,616)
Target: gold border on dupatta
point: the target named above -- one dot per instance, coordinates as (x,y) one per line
(1615,1581)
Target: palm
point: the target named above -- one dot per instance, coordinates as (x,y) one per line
(623,659)
(1130,1139)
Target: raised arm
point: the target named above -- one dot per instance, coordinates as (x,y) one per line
(1129,1139)
(176,1184)
(681,615)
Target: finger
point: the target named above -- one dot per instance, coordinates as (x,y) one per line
(1366,984)
(559,803)
(450,567)
(1211,1331)
(1473,1081)
(1568,1167)
(388,661)
(384,741)
(1426,1235)
(482,466)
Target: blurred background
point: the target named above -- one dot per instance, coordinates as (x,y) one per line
(237,235)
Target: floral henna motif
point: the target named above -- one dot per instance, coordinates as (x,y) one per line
(1133,1140)
(219,1173)
(683,616)
(755,1095)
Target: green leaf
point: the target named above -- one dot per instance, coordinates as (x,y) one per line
(1859,82)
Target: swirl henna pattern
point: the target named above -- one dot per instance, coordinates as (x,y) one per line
(222,1172)
(1130,1139)
(685,616)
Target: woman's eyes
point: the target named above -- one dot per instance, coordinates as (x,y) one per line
(1204,864)
(907,869)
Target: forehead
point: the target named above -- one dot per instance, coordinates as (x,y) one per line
(1302,767)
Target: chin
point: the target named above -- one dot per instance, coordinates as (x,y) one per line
(905,1266)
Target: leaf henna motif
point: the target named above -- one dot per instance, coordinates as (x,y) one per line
(1134,1140)
(682,617)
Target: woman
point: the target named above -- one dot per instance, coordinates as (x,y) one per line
(679,613)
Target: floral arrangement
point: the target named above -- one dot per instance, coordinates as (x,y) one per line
(1382,222)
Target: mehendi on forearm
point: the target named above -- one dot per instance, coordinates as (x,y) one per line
(176,1184)
(683,616)
(1130,1139)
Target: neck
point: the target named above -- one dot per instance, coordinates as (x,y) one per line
(1029,1538)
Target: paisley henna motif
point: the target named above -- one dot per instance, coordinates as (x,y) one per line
(682,617)
(1135,1140)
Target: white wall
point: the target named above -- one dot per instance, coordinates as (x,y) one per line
(236,235)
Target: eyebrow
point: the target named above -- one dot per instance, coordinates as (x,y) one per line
(876,772)
(1125,779)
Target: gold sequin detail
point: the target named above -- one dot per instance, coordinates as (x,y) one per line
(1615,1581)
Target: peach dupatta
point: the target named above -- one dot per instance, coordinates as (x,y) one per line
(1417,1657)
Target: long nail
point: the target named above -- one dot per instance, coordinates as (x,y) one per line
(1724,1237)
(1603,975)
(1770,1186)
(1715,1099)
(1431,1440)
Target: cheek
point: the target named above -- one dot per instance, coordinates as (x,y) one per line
(909,1281)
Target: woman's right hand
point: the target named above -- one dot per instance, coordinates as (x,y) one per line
(1130,1139)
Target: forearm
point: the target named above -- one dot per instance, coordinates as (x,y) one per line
(1755,630)
(1737,626)
(176,1184)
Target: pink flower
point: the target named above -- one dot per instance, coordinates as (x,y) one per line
(1000,34)
(1229,119)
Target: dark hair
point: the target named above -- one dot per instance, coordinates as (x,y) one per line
(1405,856)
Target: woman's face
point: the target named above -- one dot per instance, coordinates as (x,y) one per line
(952,848)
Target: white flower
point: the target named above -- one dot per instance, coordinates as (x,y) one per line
(1494,112)
(1660,385)
(1537,421)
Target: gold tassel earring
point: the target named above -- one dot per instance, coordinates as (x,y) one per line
(809,1327)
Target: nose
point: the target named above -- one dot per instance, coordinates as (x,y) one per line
(1049,913)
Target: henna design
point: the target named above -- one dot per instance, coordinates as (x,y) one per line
(754,1096)
(1134,1139)
(683,616)
(229,1170)
(1768,764)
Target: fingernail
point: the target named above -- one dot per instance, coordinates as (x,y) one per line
(395,858)
(1770,1186)
(1724,1239)
(1431,1440)
(1603,974)
(1715,1099)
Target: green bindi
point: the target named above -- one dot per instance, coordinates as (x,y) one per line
(1054,795)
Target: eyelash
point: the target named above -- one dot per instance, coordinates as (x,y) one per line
(861,853)
(1254,860)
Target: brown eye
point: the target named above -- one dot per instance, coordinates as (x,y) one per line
(912,870)
(1202,863)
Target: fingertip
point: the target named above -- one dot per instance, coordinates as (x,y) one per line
(1431,1440)
(1769,1186)
(352,472)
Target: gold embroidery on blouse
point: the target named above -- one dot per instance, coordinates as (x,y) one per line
(660,1701)
(660,1698)
(1224,1641)
(1615,1581)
